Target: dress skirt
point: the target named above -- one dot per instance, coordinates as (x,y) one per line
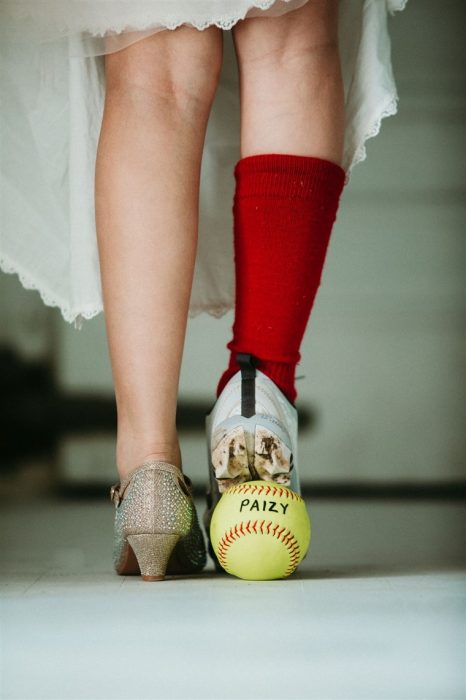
(52,89)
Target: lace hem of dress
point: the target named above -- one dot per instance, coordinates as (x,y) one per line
(360,153)
(396,5)
(225,22)
(62,24)
(29,282)
(101,27)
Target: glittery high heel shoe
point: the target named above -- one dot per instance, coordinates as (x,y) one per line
(156,529)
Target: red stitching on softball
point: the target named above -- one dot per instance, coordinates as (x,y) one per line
(293,548)
(280,533)
(287,536)
(288,539)
(246,487)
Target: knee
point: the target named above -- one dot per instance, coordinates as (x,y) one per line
(304,34)
(180,68)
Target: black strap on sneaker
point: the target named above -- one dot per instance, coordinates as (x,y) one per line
(247,363)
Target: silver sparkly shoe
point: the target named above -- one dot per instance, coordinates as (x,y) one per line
(156,529)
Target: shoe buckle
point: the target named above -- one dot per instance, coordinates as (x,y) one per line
(115,494)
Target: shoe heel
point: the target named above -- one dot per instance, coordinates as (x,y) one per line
(152,553)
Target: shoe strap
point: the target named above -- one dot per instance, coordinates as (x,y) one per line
(247,364)
(117,490)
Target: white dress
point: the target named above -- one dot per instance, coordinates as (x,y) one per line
(52,87)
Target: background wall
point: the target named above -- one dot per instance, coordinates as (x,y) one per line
(382,356)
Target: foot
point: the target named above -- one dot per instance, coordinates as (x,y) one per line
(252,433)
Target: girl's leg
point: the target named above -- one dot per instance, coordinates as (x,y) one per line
(159,92)
(291,87)
(288,181)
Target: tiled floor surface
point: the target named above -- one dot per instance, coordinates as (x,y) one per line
(377,610)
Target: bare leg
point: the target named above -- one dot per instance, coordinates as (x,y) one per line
(159,92)
(292,98)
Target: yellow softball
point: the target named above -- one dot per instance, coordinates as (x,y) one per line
(260,530)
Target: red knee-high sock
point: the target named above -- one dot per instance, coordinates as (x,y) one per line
(284,209)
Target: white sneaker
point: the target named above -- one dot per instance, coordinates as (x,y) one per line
(252,433)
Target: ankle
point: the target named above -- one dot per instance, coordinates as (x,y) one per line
(281,373)
(129,456)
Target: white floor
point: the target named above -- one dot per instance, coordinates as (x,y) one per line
(377,610)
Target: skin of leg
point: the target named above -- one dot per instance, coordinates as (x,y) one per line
(159,92)
(291,88)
